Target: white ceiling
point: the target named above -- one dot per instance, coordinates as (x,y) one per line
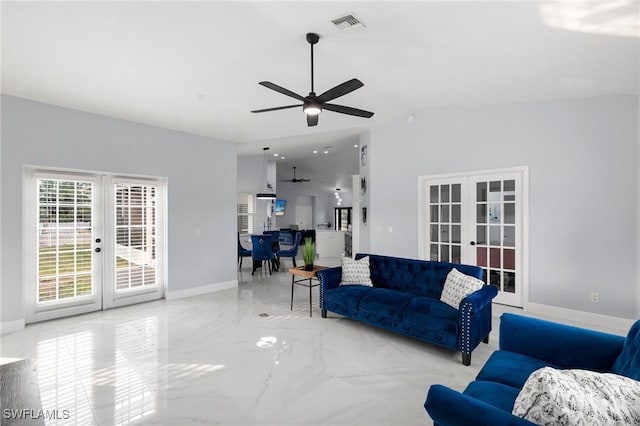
(195,66)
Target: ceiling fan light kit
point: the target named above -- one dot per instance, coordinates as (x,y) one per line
(312,104)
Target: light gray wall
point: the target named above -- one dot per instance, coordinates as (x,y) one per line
(322,208)
(201,176)
(583,172)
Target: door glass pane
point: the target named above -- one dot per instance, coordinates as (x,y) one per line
(481,213)
(433,190)
(64,258)
(509,213)
(434,214)
(444,210)
(135,262)
(481,235)
(509,190)
(481,256)
(494,258)
(494,190)
(481,191)
(455,233)
(494,279)
(509,259)
(456,195)
(444,232)
(510,282)
(494,235)
(433,252)
(455,213)
(444,253)
(444,193)
(510,236)
(495,213)
(455,254)
(434,234)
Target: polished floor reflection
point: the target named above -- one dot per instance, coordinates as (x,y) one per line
(218,359)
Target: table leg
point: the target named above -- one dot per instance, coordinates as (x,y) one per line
(310,299)
(292,284)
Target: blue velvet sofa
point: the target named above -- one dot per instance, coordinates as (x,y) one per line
(525,345)
(405,298)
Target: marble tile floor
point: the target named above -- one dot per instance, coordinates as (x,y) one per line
(216,359)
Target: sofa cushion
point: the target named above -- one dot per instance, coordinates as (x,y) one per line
(457,286)
(510,368)
(383,302)
(347,296)
(628,362)
(427,312)
(356,271)
(579,397)
(496,394)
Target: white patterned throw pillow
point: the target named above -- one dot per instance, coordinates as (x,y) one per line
(356,271)
(578,397)
(457,286)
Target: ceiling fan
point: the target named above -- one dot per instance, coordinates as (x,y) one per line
(295,180)
(313,104)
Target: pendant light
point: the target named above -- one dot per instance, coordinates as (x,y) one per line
(265,195)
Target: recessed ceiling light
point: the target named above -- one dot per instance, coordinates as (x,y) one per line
(315,152)
(282,158)
(355,146)
(326,152)
(275,155)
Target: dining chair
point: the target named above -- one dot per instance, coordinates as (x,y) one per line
(293,251)
(242,252)
(261,251)
(275,247)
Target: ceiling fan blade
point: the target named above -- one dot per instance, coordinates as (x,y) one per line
(340,90)
(312,120)
(281,89)
(277,108)
(348,110)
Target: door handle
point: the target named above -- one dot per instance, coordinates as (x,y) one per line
(473,243)
(98,250)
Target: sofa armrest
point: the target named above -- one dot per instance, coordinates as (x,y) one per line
(451,408)
(481,298)
(329,278)
(564,345)
(474,320)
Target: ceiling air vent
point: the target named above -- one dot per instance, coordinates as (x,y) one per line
(348,21)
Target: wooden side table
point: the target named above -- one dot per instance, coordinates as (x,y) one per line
(306,279)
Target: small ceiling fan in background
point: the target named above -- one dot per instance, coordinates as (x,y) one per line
(295,180)
(313,104)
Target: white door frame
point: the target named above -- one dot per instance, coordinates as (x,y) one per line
(423,213)
(35,311)
(111,297)
(103,212)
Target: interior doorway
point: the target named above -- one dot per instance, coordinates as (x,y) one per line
(479,219)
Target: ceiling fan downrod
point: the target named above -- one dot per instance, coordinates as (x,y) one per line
(312,38)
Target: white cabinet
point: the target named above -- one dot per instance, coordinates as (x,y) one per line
(329,243)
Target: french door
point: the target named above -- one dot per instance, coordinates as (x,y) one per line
(479,220)
(91,242)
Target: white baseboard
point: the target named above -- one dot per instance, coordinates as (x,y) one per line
(11,326)
(204,289)
(600,322)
